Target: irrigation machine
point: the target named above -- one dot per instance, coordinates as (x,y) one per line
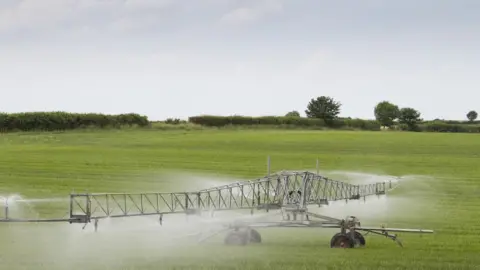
(288,193)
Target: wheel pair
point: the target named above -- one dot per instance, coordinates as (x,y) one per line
(345,240)
(241,238)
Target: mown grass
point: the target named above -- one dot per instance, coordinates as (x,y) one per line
(43,165)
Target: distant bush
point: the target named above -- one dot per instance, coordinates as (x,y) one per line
(362,124)
(441,126)
(456,122)
(182,125)
(49,121)
(174,121)
(223,121)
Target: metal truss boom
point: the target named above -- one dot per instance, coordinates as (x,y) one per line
(275,191)
(291,192)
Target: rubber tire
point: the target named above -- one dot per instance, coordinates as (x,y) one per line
(348,242)
(359,237)
(255,236)
(236,238)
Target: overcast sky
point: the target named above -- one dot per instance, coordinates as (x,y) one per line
(178,58)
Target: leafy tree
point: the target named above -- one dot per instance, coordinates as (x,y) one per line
(386,113)
(293,114)
(472,116)
(409,117)
(323,107)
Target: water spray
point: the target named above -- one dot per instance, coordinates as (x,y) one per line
(286,194)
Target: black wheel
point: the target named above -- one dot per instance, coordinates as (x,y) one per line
(359,239)
(236,238)
(342,240)
(255,236)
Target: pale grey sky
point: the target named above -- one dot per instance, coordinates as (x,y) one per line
(178,58)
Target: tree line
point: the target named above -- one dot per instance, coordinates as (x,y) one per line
(386,113)
(323,112)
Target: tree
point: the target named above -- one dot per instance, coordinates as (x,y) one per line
(323,107)
(409,117)
(472,116)
(386,113)
(293,114)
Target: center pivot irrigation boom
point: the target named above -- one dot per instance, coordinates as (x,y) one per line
(288,193)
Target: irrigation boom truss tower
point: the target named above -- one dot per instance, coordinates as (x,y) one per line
(288,192)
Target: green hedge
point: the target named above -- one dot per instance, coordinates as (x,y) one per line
(222,121)
(455,122)
(440,126)
(342,123)
(49,121)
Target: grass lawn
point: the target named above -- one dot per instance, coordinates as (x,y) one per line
(439,191)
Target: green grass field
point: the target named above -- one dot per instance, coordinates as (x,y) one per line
(441,192)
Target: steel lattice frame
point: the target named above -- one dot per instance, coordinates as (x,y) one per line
(271,192)
(291,192)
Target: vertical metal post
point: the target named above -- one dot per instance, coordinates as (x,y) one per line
(71,204)
(286,182)
(125,203)
(88,207)
(199,201)
(107,205)
(253,198)
(304,192)
(243,194)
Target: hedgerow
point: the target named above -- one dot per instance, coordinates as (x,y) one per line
(222,121)
(340,123)
(50,121)
(440,126)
